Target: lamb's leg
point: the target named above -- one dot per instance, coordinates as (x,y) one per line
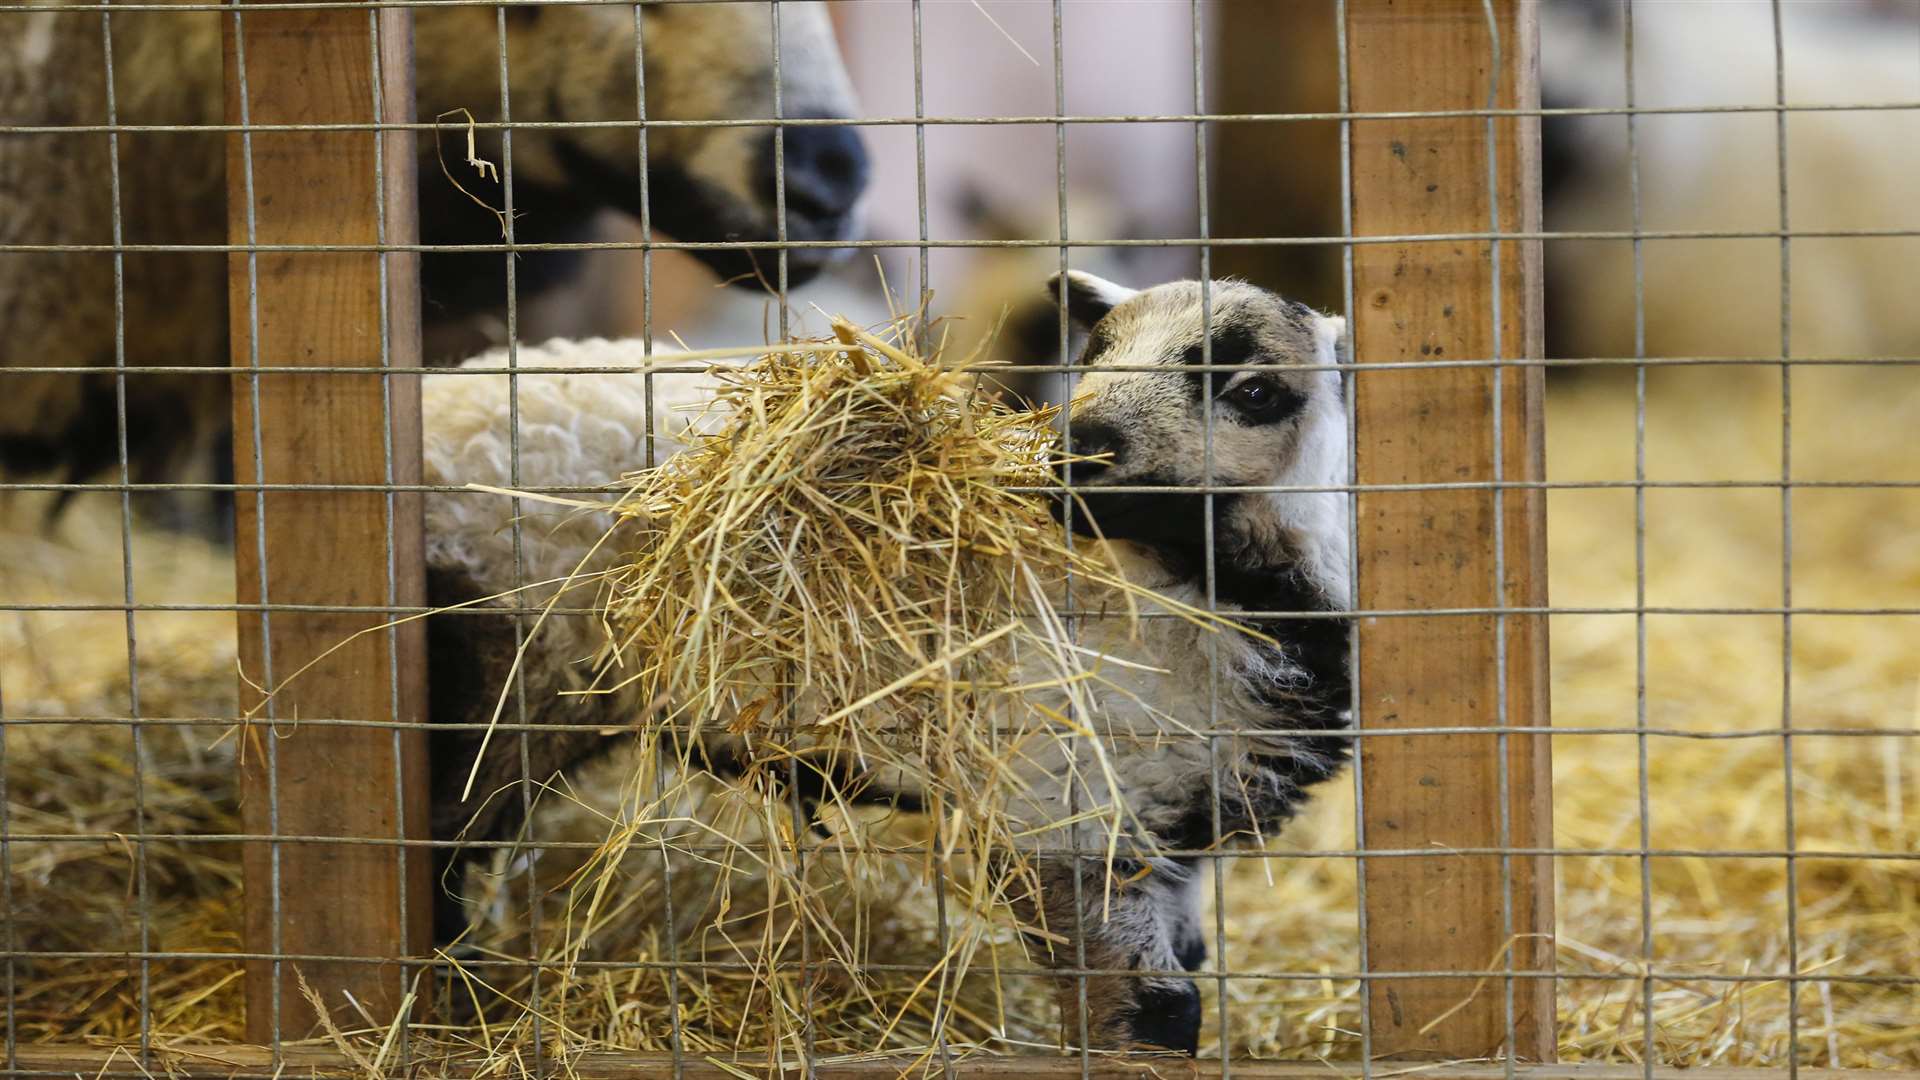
(468,655)
(1141,919)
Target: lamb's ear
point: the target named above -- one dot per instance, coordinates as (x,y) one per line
(1089,298)
(1331,345)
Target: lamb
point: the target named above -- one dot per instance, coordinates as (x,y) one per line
(1279,557)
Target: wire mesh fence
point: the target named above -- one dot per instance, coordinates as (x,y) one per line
(187,871)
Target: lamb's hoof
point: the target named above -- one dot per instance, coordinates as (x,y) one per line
(1165,1014)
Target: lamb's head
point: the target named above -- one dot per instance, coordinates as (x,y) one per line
(1149,415)
(573,63)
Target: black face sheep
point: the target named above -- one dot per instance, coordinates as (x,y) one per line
(564,63)
(1276,563)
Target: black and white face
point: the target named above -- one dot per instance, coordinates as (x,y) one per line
(704,61)
(1168,422)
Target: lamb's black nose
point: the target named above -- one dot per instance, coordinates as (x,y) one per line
(826,172)
(1087,439)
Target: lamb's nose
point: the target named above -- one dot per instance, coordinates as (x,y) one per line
(1088,439)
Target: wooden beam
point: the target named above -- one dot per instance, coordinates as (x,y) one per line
(230,1062)
(332,548)
(1436,548)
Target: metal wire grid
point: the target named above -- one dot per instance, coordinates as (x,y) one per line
(141,895)
(1789,837)
(1640,547)
(136,723)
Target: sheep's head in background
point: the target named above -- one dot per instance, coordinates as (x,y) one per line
(572,65)
(703,62)
(1721,171)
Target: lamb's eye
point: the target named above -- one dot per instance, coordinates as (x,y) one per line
(1262,399)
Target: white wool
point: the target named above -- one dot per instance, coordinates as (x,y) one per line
(575,430)
(1720,171)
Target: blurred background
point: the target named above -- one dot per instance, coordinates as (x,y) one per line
(1697,172)
(1848,543)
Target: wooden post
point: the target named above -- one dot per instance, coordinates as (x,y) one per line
(328,547)
(1435,549)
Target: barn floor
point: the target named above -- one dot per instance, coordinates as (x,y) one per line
(1705,675)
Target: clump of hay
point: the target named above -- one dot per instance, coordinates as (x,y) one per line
(850,579)
(860,537)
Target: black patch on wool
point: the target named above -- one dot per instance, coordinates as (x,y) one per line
(1232,345)
(1273,788)
(456,285)
(459,284)
(89,444)
(466,654)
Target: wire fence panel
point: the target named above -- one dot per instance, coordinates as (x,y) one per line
(1638,265)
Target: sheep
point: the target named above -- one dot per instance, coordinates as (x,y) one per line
(566,63)
(1714,171)
(1281,557)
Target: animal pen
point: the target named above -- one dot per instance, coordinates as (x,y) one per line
(285,924)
